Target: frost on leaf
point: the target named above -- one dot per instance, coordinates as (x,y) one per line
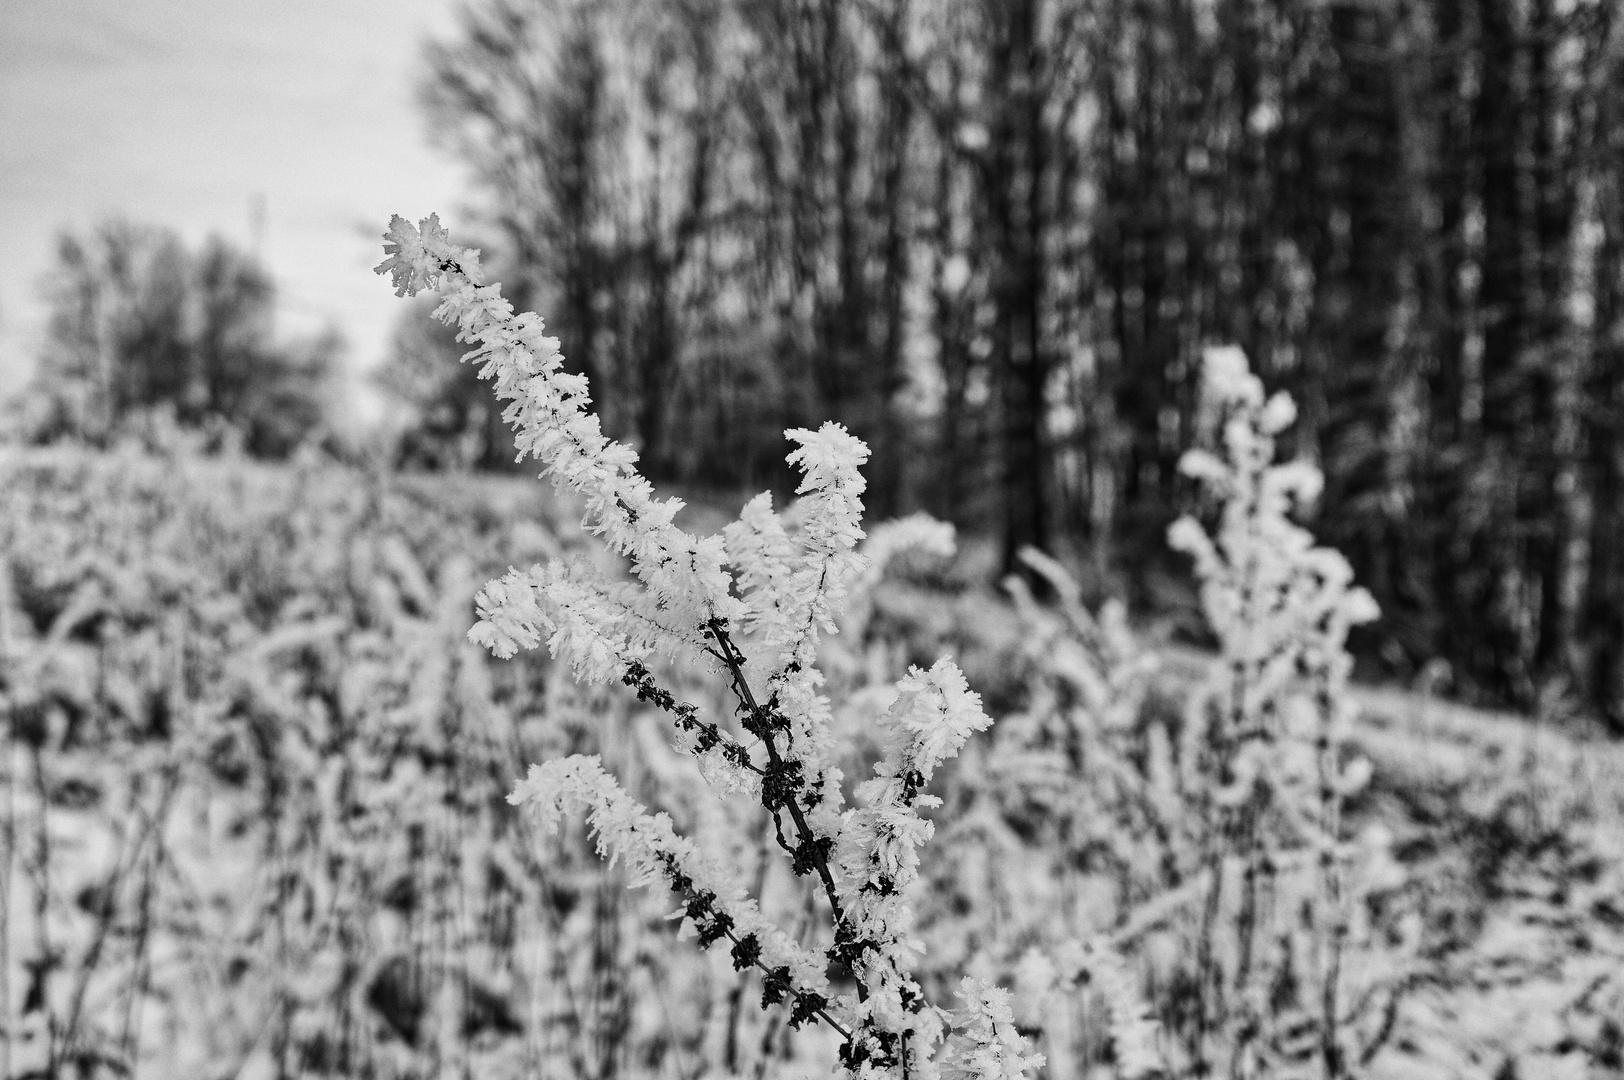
(418,254)
(984,1044)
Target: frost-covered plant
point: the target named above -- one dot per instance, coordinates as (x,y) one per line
(1265,767)
(1108,847)
(758,588)
(1058,832)
(1053,977)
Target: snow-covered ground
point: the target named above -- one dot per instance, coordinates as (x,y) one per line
(255,779)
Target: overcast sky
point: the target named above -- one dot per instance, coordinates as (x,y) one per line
(183,112)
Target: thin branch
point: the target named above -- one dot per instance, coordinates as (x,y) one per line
(809,846)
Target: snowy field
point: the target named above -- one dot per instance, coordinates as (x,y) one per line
(255,816)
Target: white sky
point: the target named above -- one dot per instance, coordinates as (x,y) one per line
(181,112)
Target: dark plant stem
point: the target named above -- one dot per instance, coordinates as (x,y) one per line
(730,655)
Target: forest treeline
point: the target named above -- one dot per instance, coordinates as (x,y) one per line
(993,237)
(144,331)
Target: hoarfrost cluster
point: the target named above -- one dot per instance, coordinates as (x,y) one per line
(757,587)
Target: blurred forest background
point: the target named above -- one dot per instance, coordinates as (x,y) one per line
(993,237)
